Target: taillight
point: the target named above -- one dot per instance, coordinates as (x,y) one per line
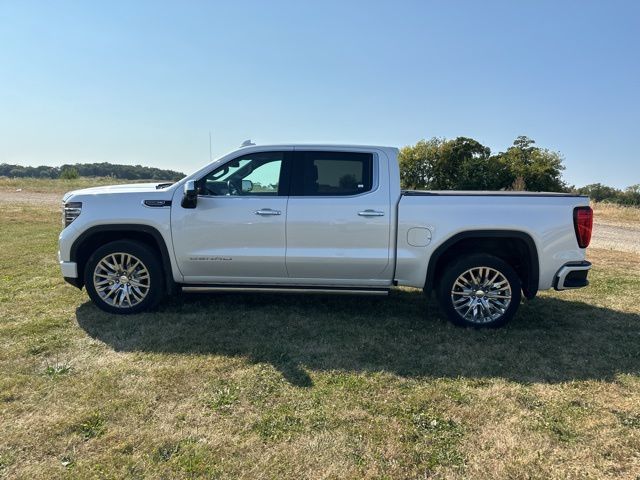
(583,224)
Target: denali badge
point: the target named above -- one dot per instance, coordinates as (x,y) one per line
(210,259)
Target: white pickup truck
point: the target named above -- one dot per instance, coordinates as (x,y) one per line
(318,218)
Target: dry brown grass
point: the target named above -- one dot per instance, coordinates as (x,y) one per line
(59,186)
(612,213)
(246,386)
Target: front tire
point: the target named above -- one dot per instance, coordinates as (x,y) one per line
(480,291)
(124,277)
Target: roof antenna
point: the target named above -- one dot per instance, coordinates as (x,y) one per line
(247,143)
(210,155)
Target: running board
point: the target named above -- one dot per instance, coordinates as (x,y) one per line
(290,289)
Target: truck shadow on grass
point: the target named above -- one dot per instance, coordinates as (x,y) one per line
(550,340)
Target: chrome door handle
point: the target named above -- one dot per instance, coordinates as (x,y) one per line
(371,213)
(267,211)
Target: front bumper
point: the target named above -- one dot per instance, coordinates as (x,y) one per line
(69,269)
(70,272)
(572,275)
(76,282)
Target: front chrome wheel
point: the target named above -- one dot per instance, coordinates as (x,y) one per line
(121,280)
(481,295)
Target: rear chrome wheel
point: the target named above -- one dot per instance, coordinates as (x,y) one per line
(124,277)
(481,295)
(121,279)
(479,290)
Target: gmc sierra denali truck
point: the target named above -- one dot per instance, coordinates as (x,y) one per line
(321,219)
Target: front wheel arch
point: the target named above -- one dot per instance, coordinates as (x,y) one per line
(99,235)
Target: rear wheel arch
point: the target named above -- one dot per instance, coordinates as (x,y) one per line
(515,247)
(95,237)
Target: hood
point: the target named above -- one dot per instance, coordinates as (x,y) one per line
(115,189)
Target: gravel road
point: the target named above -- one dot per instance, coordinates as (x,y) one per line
(13,196)
(612,236)
(606,234)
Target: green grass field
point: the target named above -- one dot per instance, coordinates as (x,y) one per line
(265,386)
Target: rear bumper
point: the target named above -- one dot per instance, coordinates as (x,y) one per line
(572,275)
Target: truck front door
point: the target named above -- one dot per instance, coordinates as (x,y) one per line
(236,233)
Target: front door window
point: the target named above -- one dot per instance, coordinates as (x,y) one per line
(255,174)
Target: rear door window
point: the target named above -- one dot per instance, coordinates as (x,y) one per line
(317,173)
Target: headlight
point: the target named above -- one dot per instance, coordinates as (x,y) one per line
(70,212)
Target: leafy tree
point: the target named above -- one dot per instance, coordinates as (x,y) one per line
(598,192)
(417,163)
(603,193)
(540,169)
(69,173)
(459,164)
(466,164)
(17,171)
(632,195)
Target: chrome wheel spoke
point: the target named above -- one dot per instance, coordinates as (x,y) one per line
(112,290)
(481,294)
(126,290)
(121,279)
(488,281)
(131,268)
(496,295)
(120,296)
(465,291)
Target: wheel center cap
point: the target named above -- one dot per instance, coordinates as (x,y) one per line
(479,293)
(124,279)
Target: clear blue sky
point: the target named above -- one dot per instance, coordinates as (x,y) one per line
(144,82)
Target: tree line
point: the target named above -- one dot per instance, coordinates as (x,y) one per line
(436,164)
(602,193)
(465,164)
(104,169)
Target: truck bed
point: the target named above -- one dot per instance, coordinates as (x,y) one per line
(478,193)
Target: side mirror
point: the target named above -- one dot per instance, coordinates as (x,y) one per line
(190,197)
(247,185)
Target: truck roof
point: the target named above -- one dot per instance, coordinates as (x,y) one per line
(319,145)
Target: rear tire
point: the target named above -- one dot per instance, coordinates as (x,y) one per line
(480,291)
(124,277)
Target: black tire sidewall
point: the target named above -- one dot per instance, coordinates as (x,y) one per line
(146,255)
(453,271)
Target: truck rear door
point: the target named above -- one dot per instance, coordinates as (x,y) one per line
(338,218)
